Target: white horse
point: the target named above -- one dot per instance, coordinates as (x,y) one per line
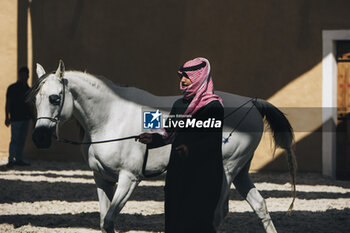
(108,111)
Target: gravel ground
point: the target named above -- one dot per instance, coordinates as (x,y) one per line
(61,197)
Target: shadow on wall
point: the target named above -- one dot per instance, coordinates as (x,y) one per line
(306,150)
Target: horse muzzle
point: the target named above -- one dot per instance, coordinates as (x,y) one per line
(42,137)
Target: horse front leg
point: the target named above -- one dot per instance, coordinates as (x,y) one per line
(105,192)
(126,185)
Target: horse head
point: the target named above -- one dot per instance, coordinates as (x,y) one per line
(54,104)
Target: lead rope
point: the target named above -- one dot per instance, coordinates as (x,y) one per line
(115,140)
(144,168)
(95,142)
(225,140)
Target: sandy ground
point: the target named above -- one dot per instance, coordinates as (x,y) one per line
(61,197)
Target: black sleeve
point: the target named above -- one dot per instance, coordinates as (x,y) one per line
(157,139)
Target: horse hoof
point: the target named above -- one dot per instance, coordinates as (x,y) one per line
(104,230)
(108,227)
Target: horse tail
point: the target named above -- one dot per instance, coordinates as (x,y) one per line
(283,136)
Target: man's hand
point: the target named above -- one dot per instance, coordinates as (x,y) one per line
(182,150)
(144,138)
(7,122)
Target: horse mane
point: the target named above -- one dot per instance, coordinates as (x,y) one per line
(109,82)
(135,94)
(36,87)
(40,82)
(126,92)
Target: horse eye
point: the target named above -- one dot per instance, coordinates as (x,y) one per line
(55,99)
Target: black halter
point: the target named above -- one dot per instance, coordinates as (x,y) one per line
(57,118)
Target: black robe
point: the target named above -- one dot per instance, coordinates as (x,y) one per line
(193,182)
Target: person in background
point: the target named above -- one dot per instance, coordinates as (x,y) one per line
(18,115)
(195,170)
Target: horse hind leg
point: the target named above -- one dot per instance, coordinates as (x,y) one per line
(232,167)
(126,185)
(247,190)
(257,202)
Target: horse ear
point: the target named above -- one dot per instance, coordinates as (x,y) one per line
(39,70)
(60,70)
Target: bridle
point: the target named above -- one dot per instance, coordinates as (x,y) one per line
(57,118)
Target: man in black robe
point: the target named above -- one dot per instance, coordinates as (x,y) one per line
(195,170)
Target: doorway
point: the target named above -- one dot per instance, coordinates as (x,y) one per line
(343,110)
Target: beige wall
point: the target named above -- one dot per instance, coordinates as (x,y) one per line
(8,62)
(270,49)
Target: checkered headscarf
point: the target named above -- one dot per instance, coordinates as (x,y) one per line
(198,71)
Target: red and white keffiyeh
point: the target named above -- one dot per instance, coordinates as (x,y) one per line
(198,71)
(202,88)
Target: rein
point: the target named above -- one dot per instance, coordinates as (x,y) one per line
(225,140)
(96,142)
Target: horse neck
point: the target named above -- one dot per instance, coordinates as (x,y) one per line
(92,99)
